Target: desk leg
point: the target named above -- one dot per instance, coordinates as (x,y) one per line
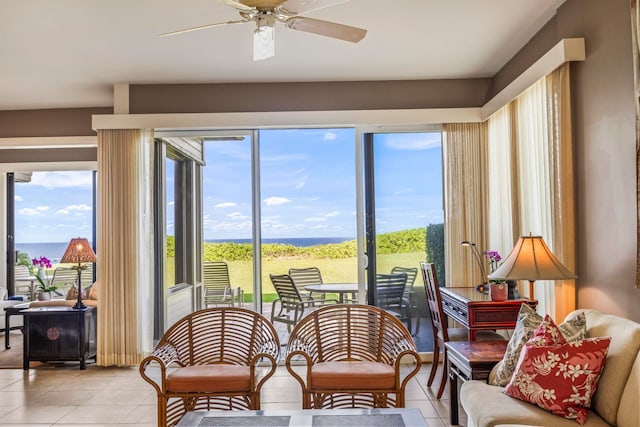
(7,329)
(453,395)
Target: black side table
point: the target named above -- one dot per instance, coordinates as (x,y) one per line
(59,334)
(12,310)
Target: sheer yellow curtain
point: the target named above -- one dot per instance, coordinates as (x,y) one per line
(558,100)
(465,169)
(124,247)
(502,181)
(531,184)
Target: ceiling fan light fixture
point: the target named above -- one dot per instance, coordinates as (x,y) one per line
(264,37)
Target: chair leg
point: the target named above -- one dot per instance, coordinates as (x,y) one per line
(434,363)
(443,378)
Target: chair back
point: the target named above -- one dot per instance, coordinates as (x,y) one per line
(411,272)
(287,291)
(22,272)
(350,332)
(390,289)
(230,335)
(434,301)
(64,278)
(305,276)
(215,280)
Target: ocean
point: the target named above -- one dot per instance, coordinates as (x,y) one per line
(55,250)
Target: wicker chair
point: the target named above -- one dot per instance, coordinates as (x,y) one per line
(210,360)
(353,356)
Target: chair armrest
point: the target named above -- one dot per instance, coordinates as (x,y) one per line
(271,369)
(164,356)
(412,373)
(293,373)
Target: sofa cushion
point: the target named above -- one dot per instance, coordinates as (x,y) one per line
(573,329)
(487,406)
(623,351)
(557,376)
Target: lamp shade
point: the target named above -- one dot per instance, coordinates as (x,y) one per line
(78,251)
(531,259)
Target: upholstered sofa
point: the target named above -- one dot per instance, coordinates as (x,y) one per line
(616,401)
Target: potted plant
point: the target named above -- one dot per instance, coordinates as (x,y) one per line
(45,291)
(498,288)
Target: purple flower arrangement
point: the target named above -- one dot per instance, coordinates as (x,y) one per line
(42,262)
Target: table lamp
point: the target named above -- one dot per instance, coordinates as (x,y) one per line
(531,259)
(79,251)
(481,287)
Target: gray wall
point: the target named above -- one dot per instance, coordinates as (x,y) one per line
(605,149)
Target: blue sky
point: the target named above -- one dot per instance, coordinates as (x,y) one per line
(307,188)
(308,184)
(54,207)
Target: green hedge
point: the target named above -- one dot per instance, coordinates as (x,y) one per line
(435,249)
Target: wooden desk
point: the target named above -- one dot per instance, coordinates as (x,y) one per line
(475,310)
(470,360)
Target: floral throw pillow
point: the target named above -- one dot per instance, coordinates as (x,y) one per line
(559,376)
(528,320)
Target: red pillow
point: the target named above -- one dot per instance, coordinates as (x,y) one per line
(557,376)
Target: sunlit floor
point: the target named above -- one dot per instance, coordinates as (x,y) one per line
(67,396)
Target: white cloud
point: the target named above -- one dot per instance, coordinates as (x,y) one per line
(330,136)
(42,208)
(275,201)
(225,205)
(334,213)
(62,179)
(315,219)
(415,142)
(74,208)
(171,203)
(29,212)
(237,216)
(18,198)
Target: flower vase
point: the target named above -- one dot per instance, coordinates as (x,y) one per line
(42,273)
(499,291)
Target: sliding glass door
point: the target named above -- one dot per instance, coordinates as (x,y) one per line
(403,200)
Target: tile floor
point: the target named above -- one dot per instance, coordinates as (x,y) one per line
(67,396)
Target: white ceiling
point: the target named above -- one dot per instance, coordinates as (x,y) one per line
(69,53)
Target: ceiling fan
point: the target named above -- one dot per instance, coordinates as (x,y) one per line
(265,13)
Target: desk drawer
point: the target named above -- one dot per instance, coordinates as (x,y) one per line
(494,318)
(455,310)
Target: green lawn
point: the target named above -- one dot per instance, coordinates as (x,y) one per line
(333,270)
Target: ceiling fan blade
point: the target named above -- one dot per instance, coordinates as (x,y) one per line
(239,6)
(202,27)
(326,28)
(298,7)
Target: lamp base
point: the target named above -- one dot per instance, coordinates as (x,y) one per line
(483,287)
(79,306)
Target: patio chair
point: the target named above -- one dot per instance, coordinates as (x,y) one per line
(307,276)
(291,303)
(353,357)
(390,295)
(65,278)
(25,283)
(217,286)
(216,358)
(442,333)
(409,292)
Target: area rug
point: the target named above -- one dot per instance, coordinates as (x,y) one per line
(12,358)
